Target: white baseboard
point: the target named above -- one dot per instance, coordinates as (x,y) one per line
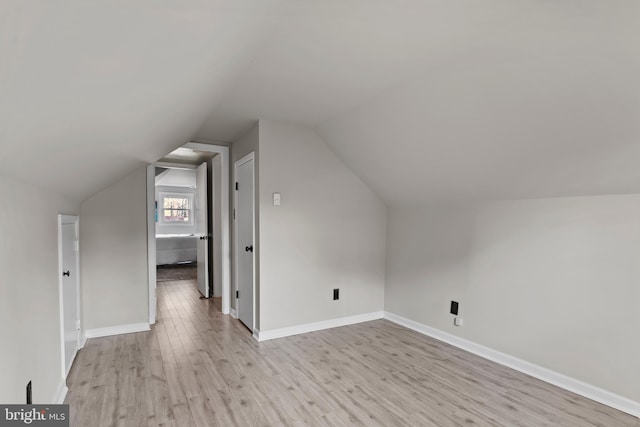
(116,330)
(576,386)
(233,313)
(61,393)
(317,326)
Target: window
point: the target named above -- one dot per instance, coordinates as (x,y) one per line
(176,209)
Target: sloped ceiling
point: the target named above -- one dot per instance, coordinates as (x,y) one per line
(90,90)
(454,100)
(426,100)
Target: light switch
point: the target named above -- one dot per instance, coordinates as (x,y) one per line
(277,199)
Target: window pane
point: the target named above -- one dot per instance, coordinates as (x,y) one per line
(176,203)
(176,209)
(177,215)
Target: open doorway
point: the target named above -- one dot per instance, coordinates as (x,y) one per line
(180,216)
(188,222)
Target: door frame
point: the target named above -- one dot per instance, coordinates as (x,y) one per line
(151,242)
(243,160)
(151,231)
(68,219)
(223,152)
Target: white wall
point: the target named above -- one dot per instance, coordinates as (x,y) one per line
(328,233)
(113,239)
(177,178)
(550,281)
(174,250)
(29,306)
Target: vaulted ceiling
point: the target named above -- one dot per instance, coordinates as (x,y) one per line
(90,90)
(425,100)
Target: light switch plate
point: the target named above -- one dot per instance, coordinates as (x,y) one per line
(277,199)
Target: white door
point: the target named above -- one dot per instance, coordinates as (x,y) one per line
(70,289)
(245,242)
(201,229)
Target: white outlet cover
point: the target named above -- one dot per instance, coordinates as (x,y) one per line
(458,321)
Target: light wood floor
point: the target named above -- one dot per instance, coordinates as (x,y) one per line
(200,368)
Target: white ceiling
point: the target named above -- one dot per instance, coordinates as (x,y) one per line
(188,156)
(90,90)
(177,178)
(425,99)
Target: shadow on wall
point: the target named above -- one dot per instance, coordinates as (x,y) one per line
(550,281)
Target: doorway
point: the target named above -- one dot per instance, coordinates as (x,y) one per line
(212,237)
(180,219)
(69,289)
(244,174)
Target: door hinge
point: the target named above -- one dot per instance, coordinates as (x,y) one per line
(236,186)
(234,214)
(237,294)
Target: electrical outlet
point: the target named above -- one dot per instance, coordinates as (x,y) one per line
(454,307)
(457,321)
(336,294)
(29,397)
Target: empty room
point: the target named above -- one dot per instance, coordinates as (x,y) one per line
(324,213)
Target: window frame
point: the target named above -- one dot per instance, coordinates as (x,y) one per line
(174,195)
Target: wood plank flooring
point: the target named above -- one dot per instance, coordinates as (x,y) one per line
(198,367)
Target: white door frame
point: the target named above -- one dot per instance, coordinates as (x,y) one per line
(151,242)
(68,219)
(224,208)
(151,232)
(243,160)
(223,152)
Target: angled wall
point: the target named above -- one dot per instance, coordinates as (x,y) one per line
(29,304)
(113,255)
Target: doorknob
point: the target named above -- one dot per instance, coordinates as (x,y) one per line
(67,273)
(249,248)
